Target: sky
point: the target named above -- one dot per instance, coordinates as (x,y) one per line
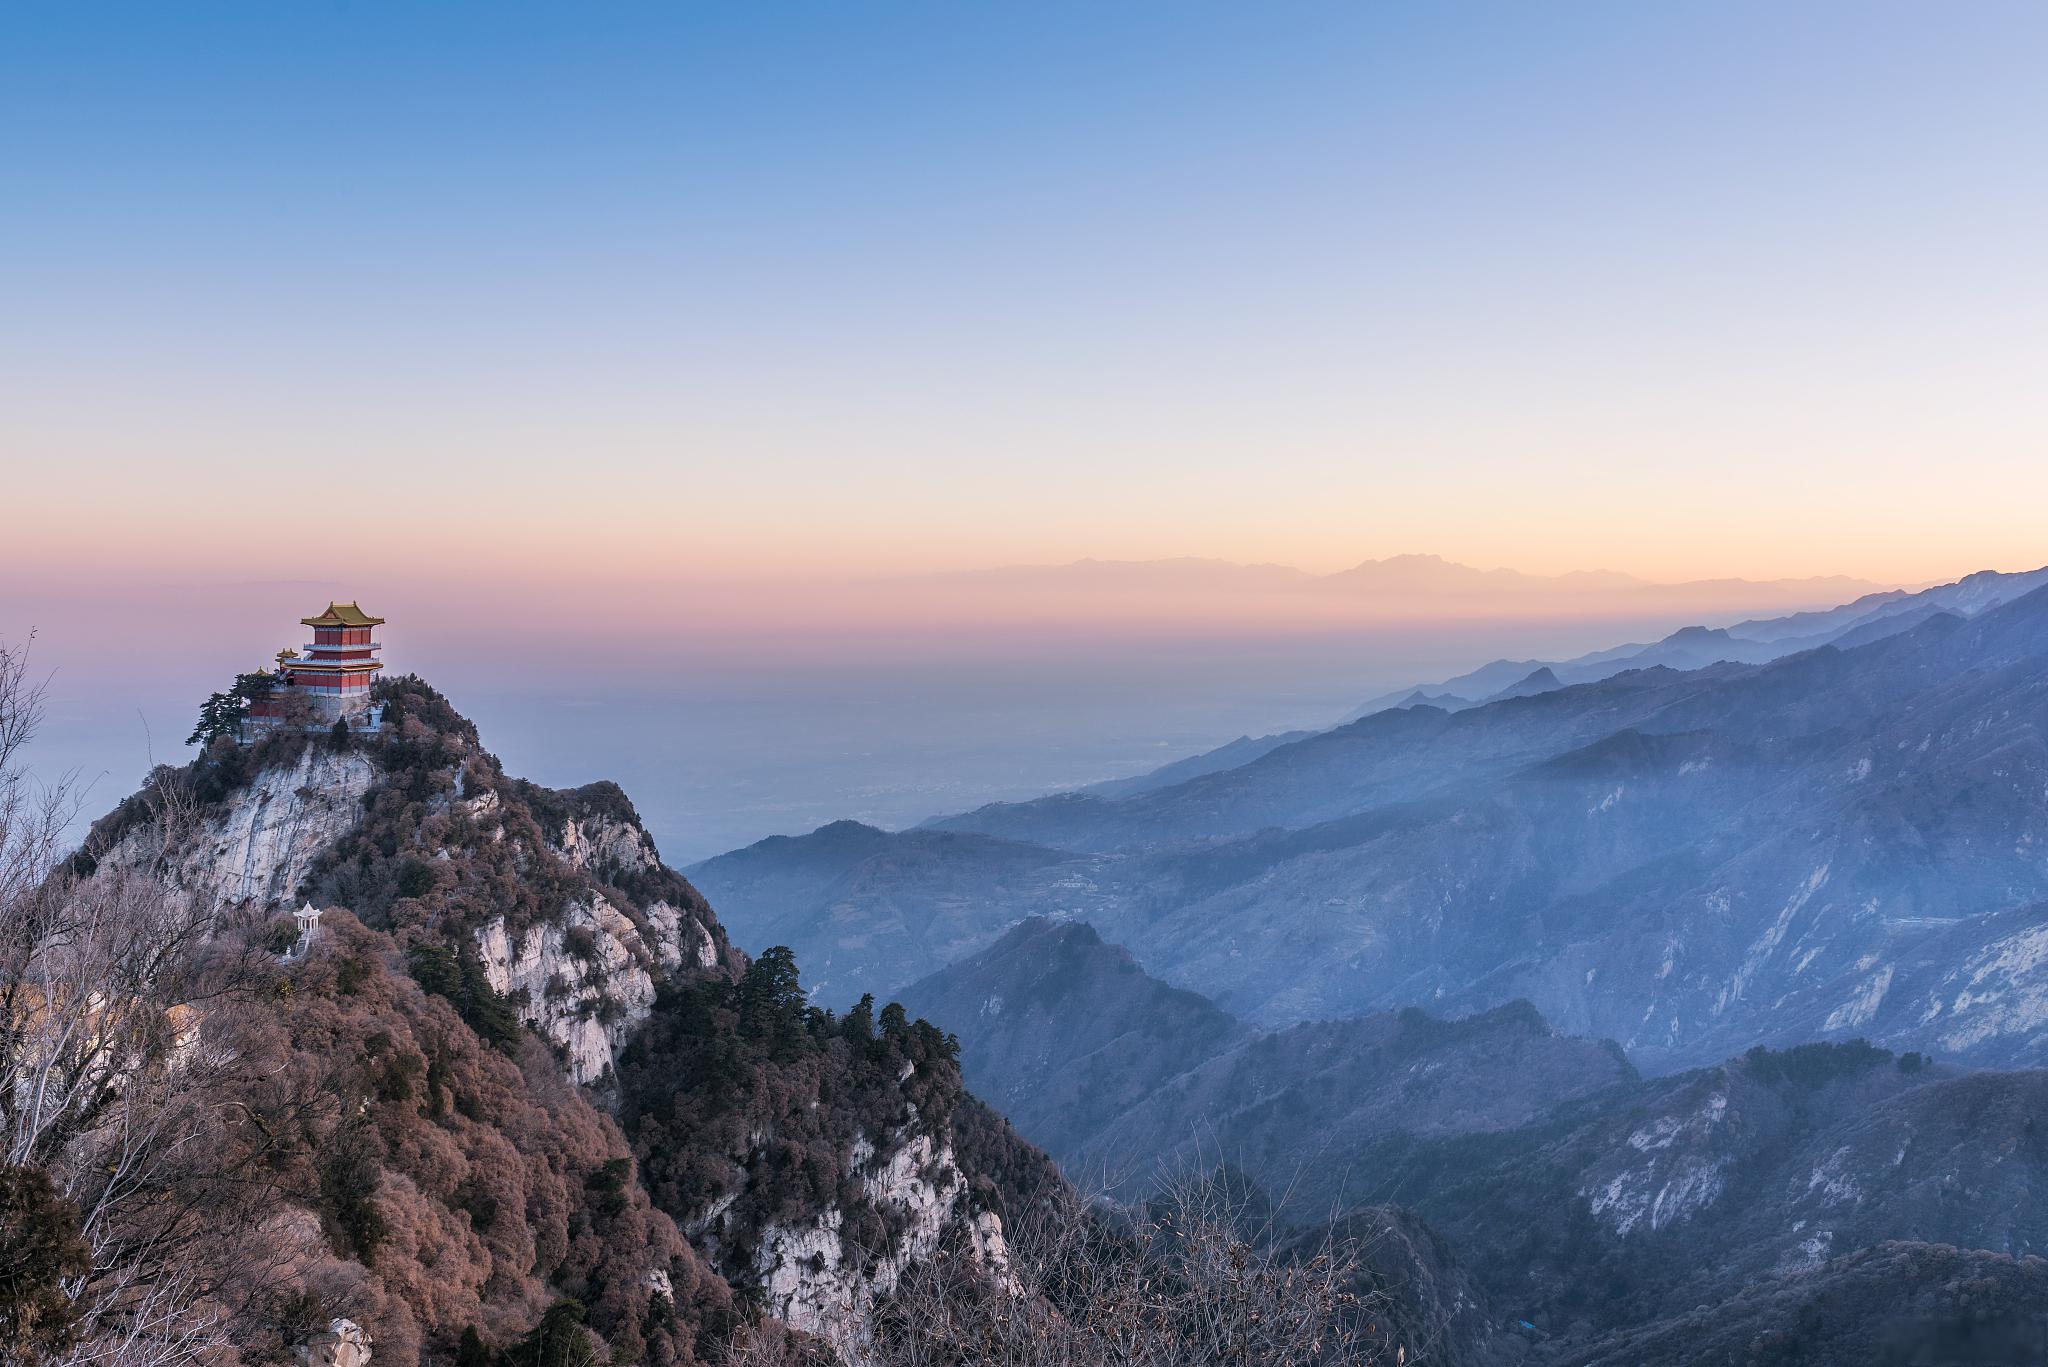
(692,333)
(659,292)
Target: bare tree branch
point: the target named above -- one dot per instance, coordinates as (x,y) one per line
(120,1065)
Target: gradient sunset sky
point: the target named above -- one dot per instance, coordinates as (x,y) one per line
(659,292)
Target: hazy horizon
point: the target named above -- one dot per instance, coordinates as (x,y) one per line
(725,725)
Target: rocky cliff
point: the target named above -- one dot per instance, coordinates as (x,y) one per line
(522,905)
(257,846)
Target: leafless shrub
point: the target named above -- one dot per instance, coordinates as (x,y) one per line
(115,1058)
(33,816)
(770,1343)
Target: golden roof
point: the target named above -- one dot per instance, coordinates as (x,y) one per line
(287,654)
(343,615)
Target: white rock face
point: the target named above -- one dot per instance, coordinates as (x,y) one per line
(991,1249)
(589,1003)
(603,846)
(677,936)
(263,842)
(1676,1174)
(2002,990)
(806,1280)
(813,1282)
(586,1002)
(1857,1011)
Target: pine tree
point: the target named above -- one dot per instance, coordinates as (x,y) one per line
(40,1249)
(860,1022)
(222,713)
(558,1340)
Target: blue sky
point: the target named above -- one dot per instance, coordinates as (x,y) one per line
(1677,288)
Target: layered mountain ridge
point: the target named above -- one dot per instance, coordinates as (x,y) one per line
(1578,1195)
(1841,842)
(1756,641)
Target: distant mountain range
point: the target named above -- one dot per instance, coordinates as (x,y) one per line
(1677,1003)
(1849,839)
(1869,618)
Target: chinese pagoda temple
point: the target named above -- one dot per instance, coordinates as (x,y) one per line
(336,668)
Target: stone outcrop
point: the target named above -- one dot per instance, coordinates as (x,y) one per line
(679,938)
(607,847)
(812,1280)
(343,1345)
(583,983)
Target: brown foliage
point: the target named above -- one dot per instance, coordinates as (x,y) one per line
(491,1185)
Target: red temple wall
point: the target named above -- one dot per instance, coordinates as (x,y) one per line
(342,636)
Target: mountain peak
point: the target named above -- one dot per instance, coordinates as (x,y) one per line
(1540,680)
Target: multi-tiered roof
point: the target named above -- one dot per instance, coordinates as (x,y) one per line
(342,656)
